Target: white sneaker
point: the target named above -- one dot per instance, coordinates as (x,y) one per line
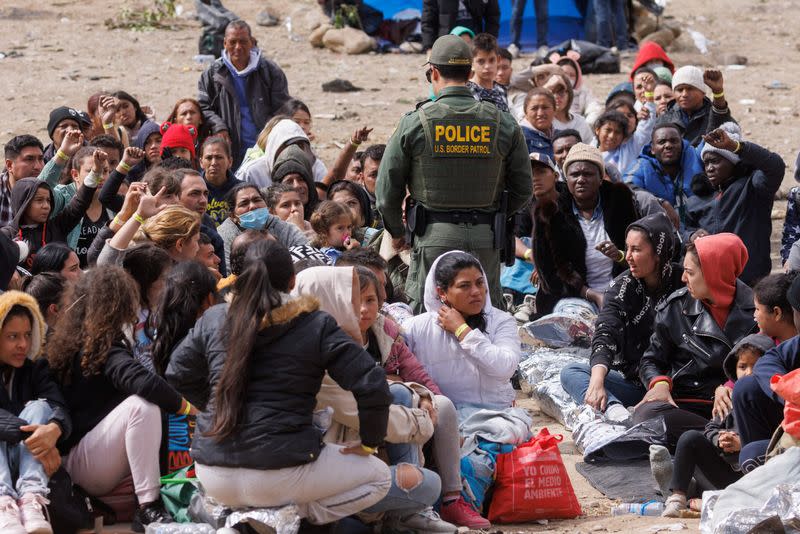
(513,50)
(32,511)
(674,506)
(526,309)
(10,521)
(425,522)
(617,413)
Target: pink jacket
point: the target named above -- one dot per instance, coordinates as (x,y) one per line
(397,358)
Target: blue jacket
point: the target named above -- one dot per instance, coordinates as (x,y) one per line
(537,142)
(647,173)
(777,361)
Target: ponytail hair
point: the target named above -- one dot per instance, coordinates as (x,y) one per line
(267,271)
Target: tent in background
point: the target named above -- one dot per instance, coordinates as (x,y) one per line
(565,20)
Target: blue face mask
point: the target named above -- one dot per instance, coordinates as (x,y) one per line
(254,220)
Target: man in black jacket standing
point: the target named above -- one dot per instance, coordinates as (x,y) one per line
(439,17)
(241,91)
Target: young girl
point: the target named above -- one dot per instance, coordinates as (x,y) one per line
(640,129)
(299,113)
(356,197)
(189,290)
(561,88)
(773,312)
(611,130)
(382,339)
(333,225)
(715,452)
(129,113)
(284,202)
(115,402)
(33,403)
(57,258)
(48,289)
(187,112)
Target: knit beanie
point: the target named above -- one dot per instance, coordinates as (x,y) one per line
(664,74)
(61,114)
(689,75)
(584,152)
(178,136)
(735,133)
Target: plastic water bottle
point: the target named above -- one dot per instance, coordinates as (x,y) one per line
(650,508)
(179,528)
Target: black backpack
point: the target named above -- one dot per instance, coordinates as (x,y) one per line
(71,508)
(215,18)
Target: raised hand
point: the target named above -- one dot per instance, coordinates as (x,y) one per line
(713,79)
(719,139)
(132,156)
(72,142)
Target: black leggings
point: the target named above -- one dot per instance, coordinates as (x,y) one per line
(678,420)
(695,451)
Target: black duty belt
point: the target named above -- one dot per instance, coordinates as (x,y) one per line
(459,217)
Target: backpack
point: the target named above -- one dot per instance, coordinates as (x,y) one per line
(215,18)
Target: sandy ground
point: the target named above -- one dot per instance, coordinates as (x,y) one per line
(66,54)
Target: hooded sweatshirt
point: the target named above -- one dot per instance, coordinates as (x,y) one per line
(651,51)
(475,371)
(258,165)
(623,328)
(10,255)
(294,159)
(722,259)
(333,288)
(32,381)
(56,229)
(248,131)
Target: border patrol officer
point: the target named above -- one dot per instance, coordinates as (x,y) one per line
(466,168)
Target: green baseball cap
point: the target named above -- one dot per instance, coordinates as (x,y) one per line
(450,50)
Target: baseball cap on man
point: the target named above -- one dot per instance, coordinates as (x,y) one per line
(541,158)
(450,50)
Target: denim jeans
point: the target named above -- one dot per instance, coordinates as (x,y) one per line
(518,10)
(612,26)
(17,459)
(402,452)
(401,501)
(575,381)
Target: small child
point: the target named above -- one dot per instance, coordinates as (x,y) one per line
(611,129)
(333,225)
(640,130)
(715,452)
(34,404)
(284,202)
(484,71)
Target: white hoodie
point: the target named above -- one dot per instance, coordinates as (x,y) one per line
(258,171)
(475,372)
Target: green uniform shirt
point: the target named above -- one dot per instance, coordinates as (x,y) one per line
(409,142)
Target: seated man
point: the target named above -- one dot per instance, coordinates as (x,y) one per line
(692,109)
(666,167)
(738,191)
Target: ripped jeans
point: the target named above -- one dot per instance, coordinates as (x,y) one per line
(414,488)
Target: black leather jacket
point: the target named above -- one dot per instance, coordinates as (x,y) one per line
(687,347)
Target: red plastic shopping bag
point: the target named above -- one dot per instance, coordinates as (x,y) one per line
(788,387)
(531,483)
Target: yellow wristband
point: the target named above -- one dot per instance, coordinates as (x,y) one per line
(125,167)
(108,126)
(660,382)
(718,95)
(187,409)
(621,257)
(371,450)
(460,330)
(528,255)
(138,218)
(649,95)
(62,155)
(117,221)
(355,143)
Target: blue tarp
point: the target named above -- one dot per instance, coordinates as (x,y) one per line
(565,21)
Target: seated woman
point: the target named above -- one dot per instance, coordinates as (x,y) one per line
(561,87)
(255,365)
(414,490)
(610,381)
(744,178)
(33,405)
(469,348)
(57,258)
(579,232)
(115,403)
(693,332)
(249,212)
(537,123)
(383,341)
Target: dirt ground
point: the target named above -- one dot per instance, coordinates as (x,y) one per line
(58,52)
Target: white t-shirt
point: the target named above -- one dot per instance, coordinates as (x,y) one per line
(598,265)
